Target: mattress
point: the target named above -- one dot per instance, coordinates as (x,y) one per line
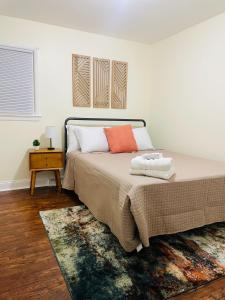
(138,207)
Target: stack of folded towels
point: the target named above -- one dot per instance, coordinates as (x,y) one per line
(153,165)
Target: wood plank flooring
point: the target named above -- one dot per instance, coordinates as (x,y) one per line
(28,268)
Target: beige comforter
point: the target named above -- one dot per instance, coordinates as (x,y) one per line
(137,207)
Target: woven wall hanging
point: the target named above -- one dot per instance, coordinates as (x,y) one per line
(81,73)
(101,82)
(119,84)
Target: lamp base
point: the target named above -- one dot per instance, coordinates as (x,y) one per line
(51,148)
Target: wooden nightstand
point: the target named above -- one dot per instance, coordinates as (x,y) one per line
(45,160)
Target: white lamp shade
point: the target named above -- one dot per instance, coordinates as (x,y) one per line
(50,132)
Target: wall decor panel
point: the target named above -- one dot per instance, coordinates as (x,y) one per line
(81,69)
(119,84)
(101,82)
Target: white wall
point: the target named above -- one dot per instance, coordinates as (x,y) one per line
(188,96)
(56,46)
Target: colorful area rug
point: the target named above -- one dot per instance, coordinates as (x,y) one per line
(96,267)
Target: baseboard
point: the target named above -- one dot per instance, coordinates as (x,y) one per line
(9,185)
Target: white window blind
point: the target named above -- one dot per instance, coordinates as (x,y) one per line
(17,82)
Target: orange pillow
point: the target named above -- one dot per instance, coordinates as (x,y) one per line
(121,139)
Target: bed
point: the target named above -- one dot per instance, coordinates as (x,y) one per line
(137,208)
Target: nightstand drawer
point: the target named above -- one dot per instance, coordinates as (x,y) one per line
(46,160)
(54,160)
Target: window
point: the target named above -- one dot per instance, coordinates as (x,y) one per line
(17,83)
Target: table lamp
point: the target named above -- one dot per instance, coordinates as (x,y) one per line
(50,132)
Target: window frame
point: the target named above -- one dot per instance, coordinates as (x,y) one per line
(36,113)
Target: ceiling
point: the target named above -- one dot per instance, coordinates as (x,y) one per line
(144,21)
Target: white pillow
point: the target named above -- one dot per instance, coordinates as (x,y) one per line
(142,138)
(72,140)
(92,139)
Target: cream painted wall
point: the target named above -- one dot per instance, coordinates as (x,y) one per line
(55,47)
(178,85)
(188,91)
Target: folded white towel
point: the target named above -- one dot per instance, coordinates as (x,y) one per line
(161,164)
(153,173)
(154,155)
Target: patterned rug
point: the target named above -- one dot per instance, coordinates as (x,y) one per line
(96,267)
